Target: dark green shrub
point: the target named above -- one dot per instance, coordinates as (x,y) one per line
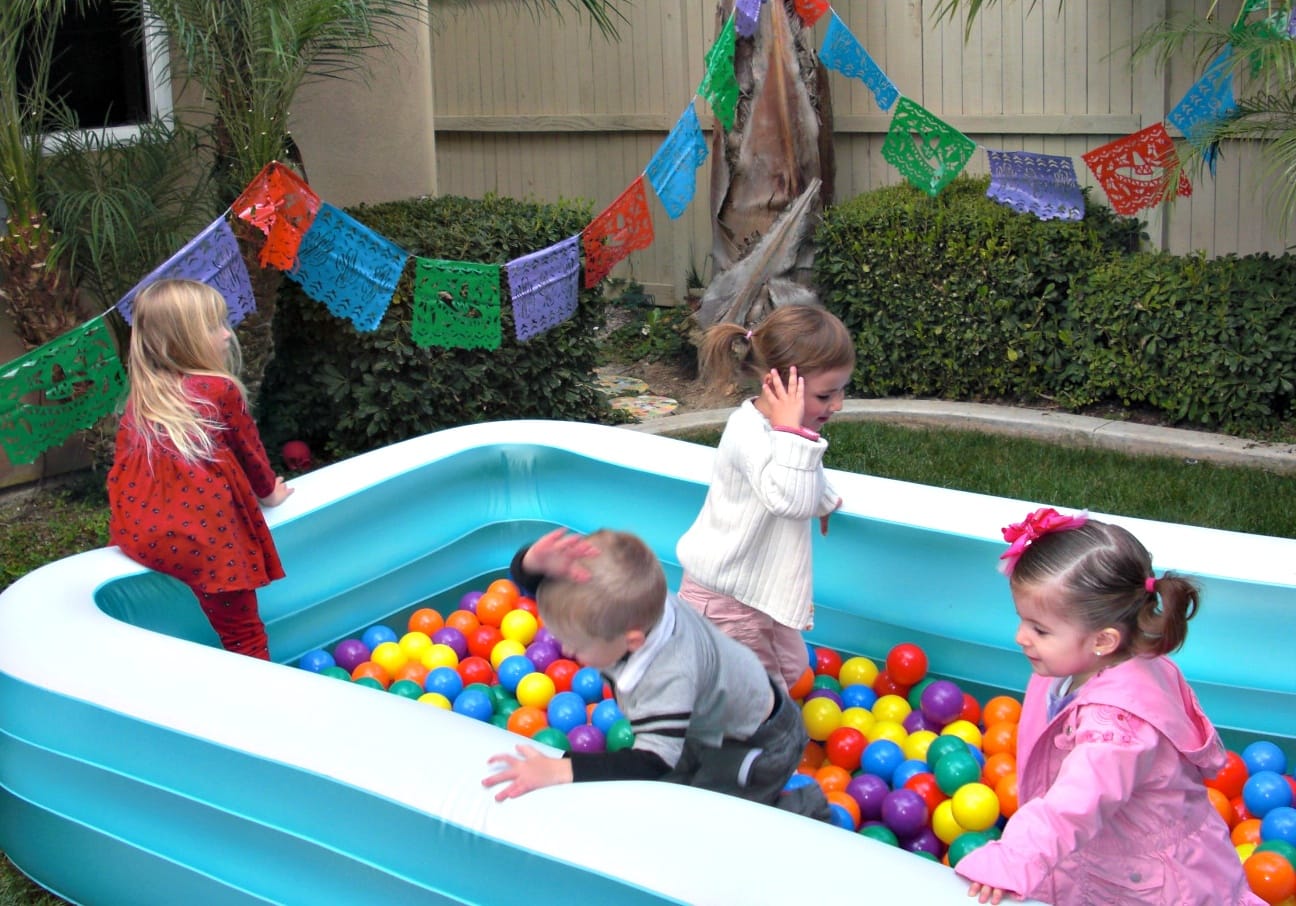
(957,296)
(345,392)
(1208,342)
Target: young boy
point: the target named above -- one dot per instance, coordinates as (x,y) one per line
(703,709)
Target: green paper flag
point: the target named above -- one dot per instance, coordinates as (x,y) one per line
(56,390)
(927,151)
(456,304)
(719,84)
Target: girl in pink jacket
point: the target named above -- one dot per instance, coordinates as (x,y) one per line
(1112,747)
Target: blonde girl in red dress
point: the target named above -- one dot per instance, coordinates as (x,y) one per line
(190,474)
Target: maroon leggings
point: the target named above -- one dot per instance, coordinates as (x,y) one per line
(234,616)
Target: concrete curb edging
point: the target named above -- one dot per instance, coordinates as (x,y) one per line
(1039,424)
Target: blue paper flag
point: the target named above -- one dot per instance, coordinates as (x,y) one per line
(1041,184)
(348,267)
(211,257)
(1209,100)
(843,52)
(672,168)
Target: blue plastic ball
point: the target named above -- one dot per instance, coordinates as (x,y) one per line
(512,669)
(796,781)
(587,682)
(1265,791)
(1279,824)
(1263,755)
(606,713)
(376,635)
(474,703)
(316,661)
(858,695)
(881,758)
(840,817)
(566,710)
(444,680)
(907,769)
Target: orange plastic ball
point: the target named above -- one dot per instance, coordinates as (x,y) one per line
(373,671)
(1270,876)
(1222,805)
(813,756)
(528,720)
(426,620)
(1000,738)
(1247,831)
(1006,790)
(413,671)
(492,608)
(997,767)
(505,588)
(463,620)
(803,686)
(1001,709)
(832,778)
(846,801)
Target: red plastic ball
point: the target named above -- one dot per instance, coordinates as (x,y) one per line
(483,639)
(1232,777)
(885,684)
(906,664)
(827,662)
(476,670)
(527,604)
(561,672)
(845,747)
(971,709)
(925,785)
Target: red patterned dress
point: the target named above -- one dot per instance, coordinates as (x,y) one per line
(200,522)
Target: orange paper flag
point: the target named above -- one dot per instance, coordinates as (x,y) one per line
(280,204)
(624,227)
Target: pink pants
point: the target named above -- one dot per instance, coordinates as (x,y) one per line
(780,648)
(234,616)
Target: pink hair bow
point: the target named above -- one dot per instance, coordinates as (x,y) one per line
(1043,521)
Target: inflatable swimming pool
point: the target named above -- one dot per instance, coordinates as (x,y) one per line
(139,763)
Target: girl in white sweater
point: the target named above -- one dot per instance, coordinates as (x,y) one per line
(746,557)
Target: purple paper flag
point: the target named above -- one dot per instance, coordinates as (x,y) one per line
(544,287)
(672,168)
(746,17)
(211,257)
(349,267)
(1041,184)
(843,52)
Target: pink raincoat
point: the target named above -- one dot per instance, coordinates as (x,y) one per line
(1113,808)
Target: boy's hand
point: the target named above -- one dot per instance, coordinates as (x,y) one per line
(785,402)
(526,771)
(280,493)
(558,554)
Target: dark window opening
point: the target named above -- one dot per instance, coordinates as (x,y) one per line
(99,68)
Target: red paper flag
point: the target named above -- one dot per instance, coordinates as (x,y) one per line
(624,227)
(280,204)
(1135,170)
(811,10)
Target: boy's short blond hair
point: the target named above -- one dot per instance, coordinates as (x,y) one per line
(626,589)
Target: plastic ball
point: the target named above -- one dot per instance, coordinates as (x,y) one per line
(475,704)
(505,649)
(881,758)
(821,716)
(406,689)
(336,672)
(605,714)
(316,660)
(820,692)
(536,689)
(452,638)
(620,735)
(1245,831)
(976,806)
(843,800)
(827,662)
(942,746)
(390,656)
(887,729)
(552,736)
(917,722)
(439,655)
(1006,790)
(369,682)
(588,684)
(1231,777)
(906,770)
(905,812)
(519,626)
(916,692)
(543,653)
(999,738)
(505,588)
(377,634)
(492,608)
(1221,805)
(802,686)
(1270,876)
(469,600)
(869,791)
(840,817)
(859,718)
(444,681)
(941,702)
(1282,847)
(476,670)
(1279,823)
(918,743)
(527,720)
(350,653)
(885,685)
(566,710)
(906,664)
(925,786)
(1265,790)
(1263,755)
(943,823)
(586,738)
(858,695)
(857,671)
(512,669)
(891,707)
(482,641)
(831,777)
(426,620)
(956,769)
(561,672)
(925,843)
(463,620)
(971,709)
(965,843)
(964,730)
(436,700)
(371,671)
(999,766)
(879,832)
(413,672)
(1000,709)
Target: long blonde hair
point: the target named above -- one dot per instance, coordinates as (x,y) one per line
(173,330)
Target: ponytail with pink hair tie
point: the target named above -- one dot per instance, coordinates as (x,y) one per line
(1020,535)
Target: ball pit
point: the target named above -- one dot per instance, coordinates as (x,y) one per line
(418,525)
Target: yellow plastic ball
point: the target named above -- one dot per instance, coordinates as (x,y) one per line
(436,700)
(976,806)
(439,656)
(857,671)
(505,648)
(916,744)
(414,643)
(535,689)
(861,719)
(390,656)
(821,716)
(964,730)
(519,626)
(892,707)
(1244,850)
(888,729)
(944,824)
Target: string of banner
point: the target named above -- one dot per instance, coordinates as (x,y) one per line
(78,378)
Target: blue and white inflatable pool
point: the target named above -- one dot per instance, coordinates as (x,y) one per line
(140,763)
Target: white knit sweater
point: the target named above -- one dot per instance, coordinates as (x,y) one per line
(751,540)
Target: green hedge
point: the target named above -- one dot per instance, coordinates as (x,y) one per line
(958,296)
(345,392)
(1206,342)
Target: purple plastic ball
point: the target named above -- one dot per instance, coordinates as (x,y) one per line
(916,720)
(905,812)
(824,693)
(542,654)
(448,635)
(469,601)
(586,738)
(869,790)
(350,654)
(543,635)
(941,702)
(925,841)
